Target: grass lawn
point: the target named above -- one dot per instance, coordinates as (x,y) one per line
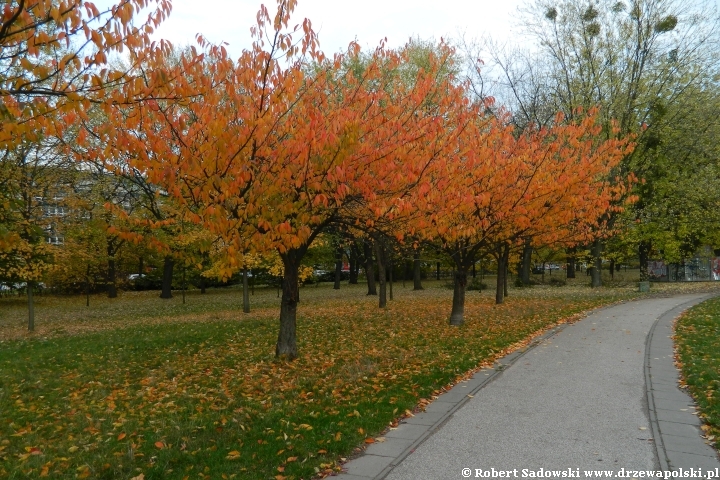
(139,387)
(697,336)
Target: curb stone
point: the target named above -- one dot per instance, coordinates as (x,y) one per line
(672,412)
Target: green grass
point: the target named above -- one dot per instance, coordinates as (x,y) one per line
(697,336)
(141,385)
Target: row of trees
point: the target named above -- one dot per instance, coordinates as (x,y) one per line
(653,66)
(221,161)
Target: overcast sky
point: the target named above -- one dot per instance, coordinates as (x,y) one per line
(339,22)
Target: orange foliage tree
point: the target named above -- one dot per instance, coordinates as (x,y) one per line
(266,153)
(54,57)
(550,183)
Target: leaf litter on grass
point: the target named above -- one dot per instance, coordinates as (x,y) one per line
(697,340)
(206,397)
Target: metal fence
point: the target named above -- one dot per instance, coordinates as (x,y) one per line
(698,269)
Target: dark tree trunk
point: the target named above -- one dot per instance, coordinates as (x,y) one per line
(369,268)
(571,263)
(437,273)
(286,347)
(353,261)
(457,316)
(644,254)
(501,272)
(338,268)
(612,268)
(111,278)
(391,278)
(417,283)
(246,292)
(596,274)
(168,265)
(506,262)
(31,306)
(382,274)
(526,260)
(141,267)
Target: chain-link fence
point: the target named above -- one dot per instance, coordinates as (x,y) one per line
(698,269)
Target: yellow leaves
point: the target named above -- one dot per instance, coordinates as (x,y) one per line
(338,436)
(233,455)
(73,449)
(121,436)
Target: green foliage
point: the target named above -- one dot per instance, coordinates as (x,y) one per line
(476,284)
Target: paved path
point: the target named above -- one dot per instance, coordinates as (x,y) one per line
(600,394)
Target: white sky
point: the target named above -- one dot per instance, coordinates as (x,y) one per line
(339,22)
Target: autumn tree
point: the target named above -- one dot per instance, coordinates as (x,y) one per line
(34,191)
(635,59)
(503,186)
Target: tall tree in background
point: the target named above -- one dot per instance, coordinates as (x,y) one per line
(633,58)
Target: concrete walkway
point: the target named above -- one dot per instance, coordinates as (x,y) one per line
(598,395)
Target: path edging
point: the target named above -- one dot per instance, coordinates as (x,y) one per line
(668,316)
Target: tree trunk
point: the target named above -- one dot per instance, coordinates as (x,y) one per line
(391,278)
(111,274)
(286,347)
(417,281)
(246,292)
(141,267)
(353,261)
(506,262)
(457,316)
(612,268)
(168,265)
(644,254)
(338,268)
(526,260)
(369,268)
(382,275)
(31,306)
(437,273)
(596,274)
(500,283)
(570,273)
